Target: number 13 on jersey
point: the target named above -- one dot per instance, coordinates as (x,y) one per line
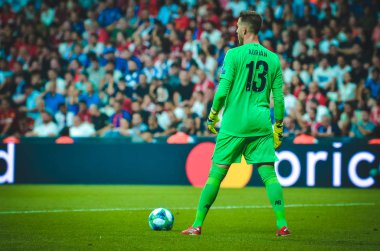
(253,85)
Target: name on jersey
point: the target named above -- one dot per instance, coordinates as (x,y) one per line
(257,53)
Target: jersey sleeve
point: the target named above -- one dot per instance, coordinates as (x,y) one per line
(278,94)
(227,76)
(228,68)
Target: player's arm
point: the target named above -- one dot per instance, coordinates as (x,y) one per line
(279,106)
(226,78)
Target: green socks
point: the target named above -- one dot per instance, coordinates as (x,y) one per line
(209,193)
(216,176)
(274,191)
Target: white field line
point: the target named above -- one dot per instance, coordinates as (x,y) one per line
(358,204)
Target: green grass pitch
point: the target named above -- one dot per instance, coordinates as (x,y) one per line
(72,217)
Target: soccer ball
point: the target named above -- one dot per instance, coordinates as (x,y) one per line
(161,219)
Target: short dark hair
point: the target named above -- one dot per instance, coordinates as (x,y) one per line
(252,19)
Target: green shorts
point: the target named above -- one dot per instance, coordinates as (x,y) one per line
(229,149)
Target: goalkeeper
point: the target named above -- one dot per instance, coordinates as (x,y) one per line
(249,75)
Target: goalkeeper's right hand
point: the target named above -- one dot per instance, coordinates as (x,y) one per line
(277,134)
(212,120)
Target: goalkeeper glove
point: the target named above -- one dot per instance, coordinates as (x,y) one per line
(277,134)
(212,120)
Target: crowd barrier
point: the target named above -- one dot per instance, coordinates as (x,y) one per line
(329,164)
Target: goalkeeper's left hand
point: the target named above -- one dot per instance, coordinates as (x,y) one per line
(212,120)
(277,134)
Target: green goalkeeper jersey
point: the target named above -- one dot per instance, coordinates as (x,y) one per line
(249,74)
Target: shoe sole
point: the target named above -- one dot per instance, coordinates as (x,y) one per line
(283,235)
(190,234)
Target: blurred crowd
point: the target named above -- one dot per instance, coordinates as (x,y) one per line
(149,68)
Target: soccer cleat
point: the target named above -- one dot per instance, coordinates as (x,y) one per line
(192,231)
(284,231)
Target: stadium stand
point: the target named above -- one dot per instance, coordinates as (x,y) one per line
(101,62)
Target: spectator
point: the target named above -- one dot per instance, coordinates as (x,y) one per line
(375,112)
(110,14)
(302,39)
(321,110)
(63,117)
(138,126)
(94,46)
(140,131)
(163,117)
(210,33)
(132,77)
(206,61)
(291,129)
(340,70)
(332,91)
(31,97)
(323,74)
(150,71)
(95,72)
(373,84)
(159,91)
(83,112)
(204,85)
(315,93)
(47,129)
(98,119)
(154,128)
(52,98)
(289,99)
(302,73)
(184,92)
(174,80)
(82,82)
(363,128)
(199,104)
(119,114)
(335,115)
(109,86)
(182,22)
(347,89)
(18,90)
(346,117)
(296,86)
(81,129)
(310,117)
(47,15)
(358,74)
(323,129)
(167,12)
(304,57)
(327,41)
(73,99)
(7,118)
(236,7)
(142,88)
(305,137)
(90,97)
(40,109)
(122,130)
(181,137)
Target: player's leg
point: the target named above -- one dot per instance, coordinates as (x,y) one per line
(261,152)
(274,192)
(210,191)
(227,150)
(208,196)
